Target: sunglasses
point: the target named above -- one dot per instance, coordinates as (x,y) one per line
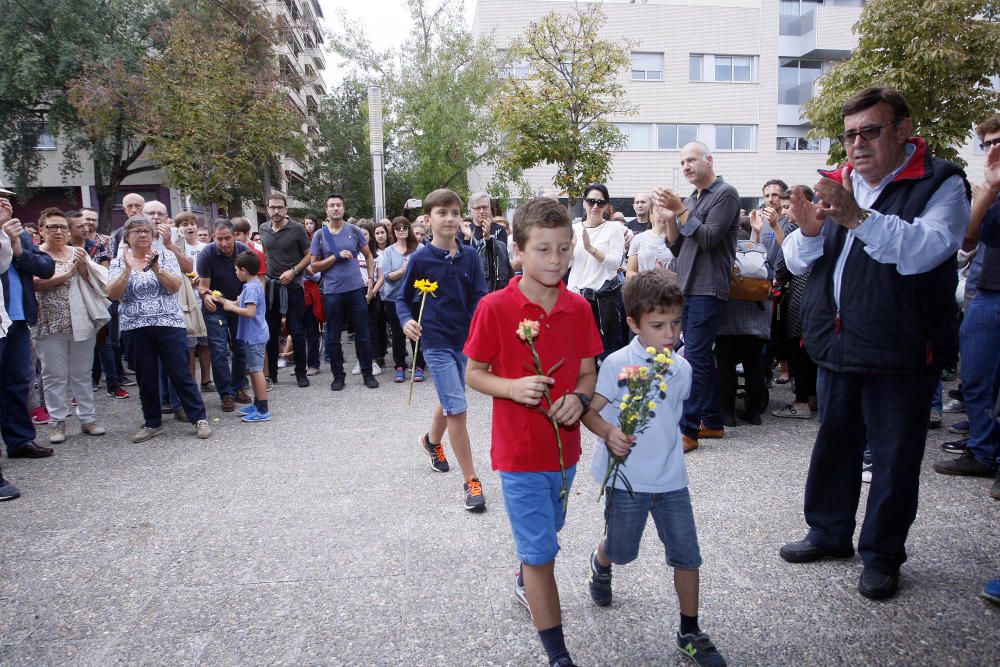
(990,143)
(401,228)
(870,133)
(596,202)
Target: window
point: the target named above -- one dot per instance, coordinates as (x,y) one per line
(796,80)
(729,69)
(647,66)
(734,137)
(39,131)
(639,136)
(674,137)
(518,70)
(695,66)
(797,144)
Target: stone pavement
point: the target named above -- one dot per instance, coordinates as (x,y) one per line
(323,537)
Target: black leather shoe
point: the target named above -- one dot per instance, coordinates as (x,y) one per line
(302,380)
(805,551)
(876,585)
(30,451)
(338,383)
(371,382)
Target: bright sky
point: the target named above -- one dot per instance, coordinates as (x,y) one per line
(387,22)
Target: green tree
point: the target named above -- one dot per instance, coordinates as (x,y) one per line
(75,69)
(436,95)
(939,54)
(558,114)
(215,108)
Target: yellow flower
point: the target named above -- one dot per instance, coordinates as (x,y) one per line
(661,358)
(622,406)
(217,294)
(425,285)
(643,371)
(527,330)
(651,350)
(663,386)
(626,397)
(652,405)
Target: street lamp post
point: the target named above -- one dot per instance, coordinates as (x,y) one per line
(375,148)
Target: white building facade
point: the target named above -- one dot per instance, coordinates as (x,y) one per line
(731,73)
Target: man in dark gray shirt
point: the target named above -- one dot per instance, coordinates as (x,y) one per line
(702,235)
(287,247)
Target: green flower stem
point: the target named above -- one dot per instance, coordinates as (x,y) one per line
(564,490)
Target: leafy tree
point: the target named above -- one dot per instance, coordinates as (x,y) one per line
(436,93)
(558,113)
(76,65)
(939,54)
(215,108)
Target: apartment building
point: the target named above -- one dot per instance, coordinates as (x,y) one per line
(731,73)
(302,61)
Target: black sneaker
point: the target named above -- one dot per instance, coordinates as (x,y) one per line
(371,382)
(7,490)
(700,650)
(475,501)
(954,446)
(436,452)
(127,382)
(600,582)
(965,465)
(519,593)
(564,661)
(338,383)
(302,380)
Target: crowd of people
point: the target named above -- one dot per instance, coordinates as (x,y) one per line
(848,289)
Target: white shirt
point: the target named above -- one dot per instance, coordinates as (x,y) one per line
(586,271)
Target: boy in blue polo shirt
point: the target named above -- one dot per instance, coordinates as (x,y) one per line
(251,332)
(655,467)
(445,325)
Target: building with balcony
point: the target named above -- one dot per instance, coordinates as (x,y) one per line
(302,61)
(731,73)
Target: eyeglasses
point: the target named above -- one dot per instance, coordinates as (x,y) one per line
(989,143)
(484,207)
(870,133)
(144,232)
(402,228)
(57,228)
(596,202)
(276,208)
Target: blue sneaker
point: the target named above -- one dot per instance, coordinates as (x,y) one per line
(248,410)
(700,650)
(257,416)
(418,375)
(399,375)
(991,590)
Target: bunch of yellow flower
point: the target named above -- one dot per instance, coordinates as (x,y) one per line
(644,385)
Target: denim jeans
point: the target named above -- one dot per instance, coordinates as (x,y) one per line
(221,328)
(701,320)
(672,515)
(16,376)
(149,349)
(351,303)
(889,414)
(980,348)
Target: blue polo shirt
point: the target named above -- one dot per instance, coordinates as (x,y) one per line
(220,269)
(448,313)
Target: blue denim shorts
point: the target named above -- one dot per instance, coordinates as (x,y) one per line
(674,523)
(535,512)
(254,353)
(447,369)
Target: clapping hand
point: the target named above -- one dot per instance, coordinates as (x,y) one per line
(837,201)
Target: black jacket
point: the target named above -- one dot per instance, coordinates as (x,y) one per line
(887,323)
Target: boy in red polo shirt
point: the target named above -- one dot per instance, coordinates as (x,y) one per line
(524,448)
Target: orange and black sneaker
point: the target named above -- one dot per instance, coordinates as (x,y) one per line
(475,501)
(436,452)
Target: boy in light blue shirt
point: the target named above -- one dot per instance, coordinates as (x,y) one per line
(251,332)
(655,467)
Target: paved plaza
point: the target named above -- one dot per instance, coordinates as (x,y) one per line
(324,538)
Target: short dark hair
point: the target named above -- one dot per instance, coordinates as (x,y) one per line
(334,195)
(279,196)
(539,212)
(221,223)
(185,216)
(72,213)
(241,225)
(248,261)
(869,97)
(988,126)
(775,181)
(601,187)
(51,212)
(649,291)
(442,197)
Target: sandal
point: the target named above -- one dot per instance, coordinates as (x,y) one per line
(790,412)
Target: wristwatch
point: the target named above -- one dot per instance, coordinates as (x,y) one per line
(584,401)
(864,215)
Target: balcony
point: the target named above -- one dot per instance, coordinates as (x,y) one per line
(319,60)
(825,33)
(292,167)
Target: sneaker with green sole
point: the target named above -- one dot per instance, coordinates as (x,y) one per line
(700,650)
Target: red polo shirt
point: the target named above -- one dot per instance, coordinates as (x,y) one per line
(523,438)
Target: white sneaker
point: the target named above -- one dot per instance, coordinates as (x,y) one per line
(866,473)
(953,405)
(357,369)
(376,369)
(282,362)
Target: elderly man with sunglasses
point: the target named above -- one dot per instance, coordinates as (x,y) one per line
(880,320)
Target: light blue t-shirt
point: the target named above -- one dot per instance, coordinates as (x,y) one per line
(253,330)
(390,261)
(656,464)
(345,274)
